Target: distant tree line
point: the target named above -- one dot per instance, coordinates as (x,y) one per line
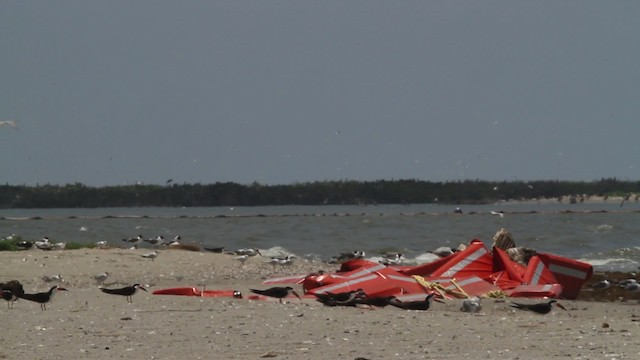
(312,193)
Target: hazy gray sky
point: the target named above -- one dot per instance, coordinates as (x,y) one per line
(278,92)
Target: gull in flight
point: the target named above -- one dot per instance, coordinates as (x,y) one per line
(11,123)
(498,213)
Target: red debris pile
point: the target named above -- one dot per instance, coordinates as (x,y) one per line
(474,271)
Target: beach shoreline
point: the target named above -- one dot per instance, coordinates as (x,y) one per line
(85,323)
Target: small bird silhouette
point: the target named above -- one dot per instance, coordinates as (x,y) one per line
(276,292)
(540,308)
(127,291)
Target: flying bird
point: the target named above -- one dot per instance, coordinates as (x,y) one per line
(11,123)
(276,292)
(539,308)
(127,291)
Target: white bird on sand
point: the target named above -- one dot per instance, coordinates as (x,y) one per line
(156,240)
(100,278)
(135,240)
(101,244)
(152,255)
(248,252)
(471,305)
(601,285)
(44,244)
(242,258)
(51,278)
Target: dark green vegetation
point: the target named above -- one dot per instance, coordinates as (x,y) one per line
(314,193)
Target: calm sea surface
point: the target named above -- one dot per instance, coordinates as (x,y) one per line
(604,234)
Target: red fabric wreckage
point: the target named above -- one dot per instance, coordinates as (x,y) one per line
(475,271)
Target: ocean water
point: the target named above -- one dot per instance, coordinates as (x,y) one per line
(606,235)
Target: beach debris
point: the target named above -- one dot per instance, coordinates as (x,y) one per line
(127,291)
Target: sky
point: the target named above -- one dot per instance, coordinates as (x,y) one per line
(281,92)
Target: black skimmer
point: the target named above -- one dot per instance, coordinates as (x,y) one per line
(277,292)
(349,298)
(127,291)
(540,308)
(471,305)
(152,255)
(43,298)
(412,305)
(10,297)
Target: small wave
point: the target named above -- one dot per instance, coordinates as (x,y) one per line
(612,264)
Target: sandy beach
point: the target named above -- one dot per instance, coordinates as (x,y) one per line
(84,323)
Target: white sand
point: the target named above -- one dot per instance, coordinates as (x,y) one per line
(84,323)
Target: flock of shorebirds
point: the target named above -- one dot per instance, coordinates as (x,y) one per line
(13,291)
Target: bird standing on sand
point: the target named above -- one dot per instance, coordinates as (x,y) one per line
(348,298)
(412,305)
(152,255)
(471,305)
(100,278)
(540,308)
(10,297)
(601,285)
(127,291)
(44,297)
(242,259)
(158,240)
(276,292)
(134,240)
(248,252)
